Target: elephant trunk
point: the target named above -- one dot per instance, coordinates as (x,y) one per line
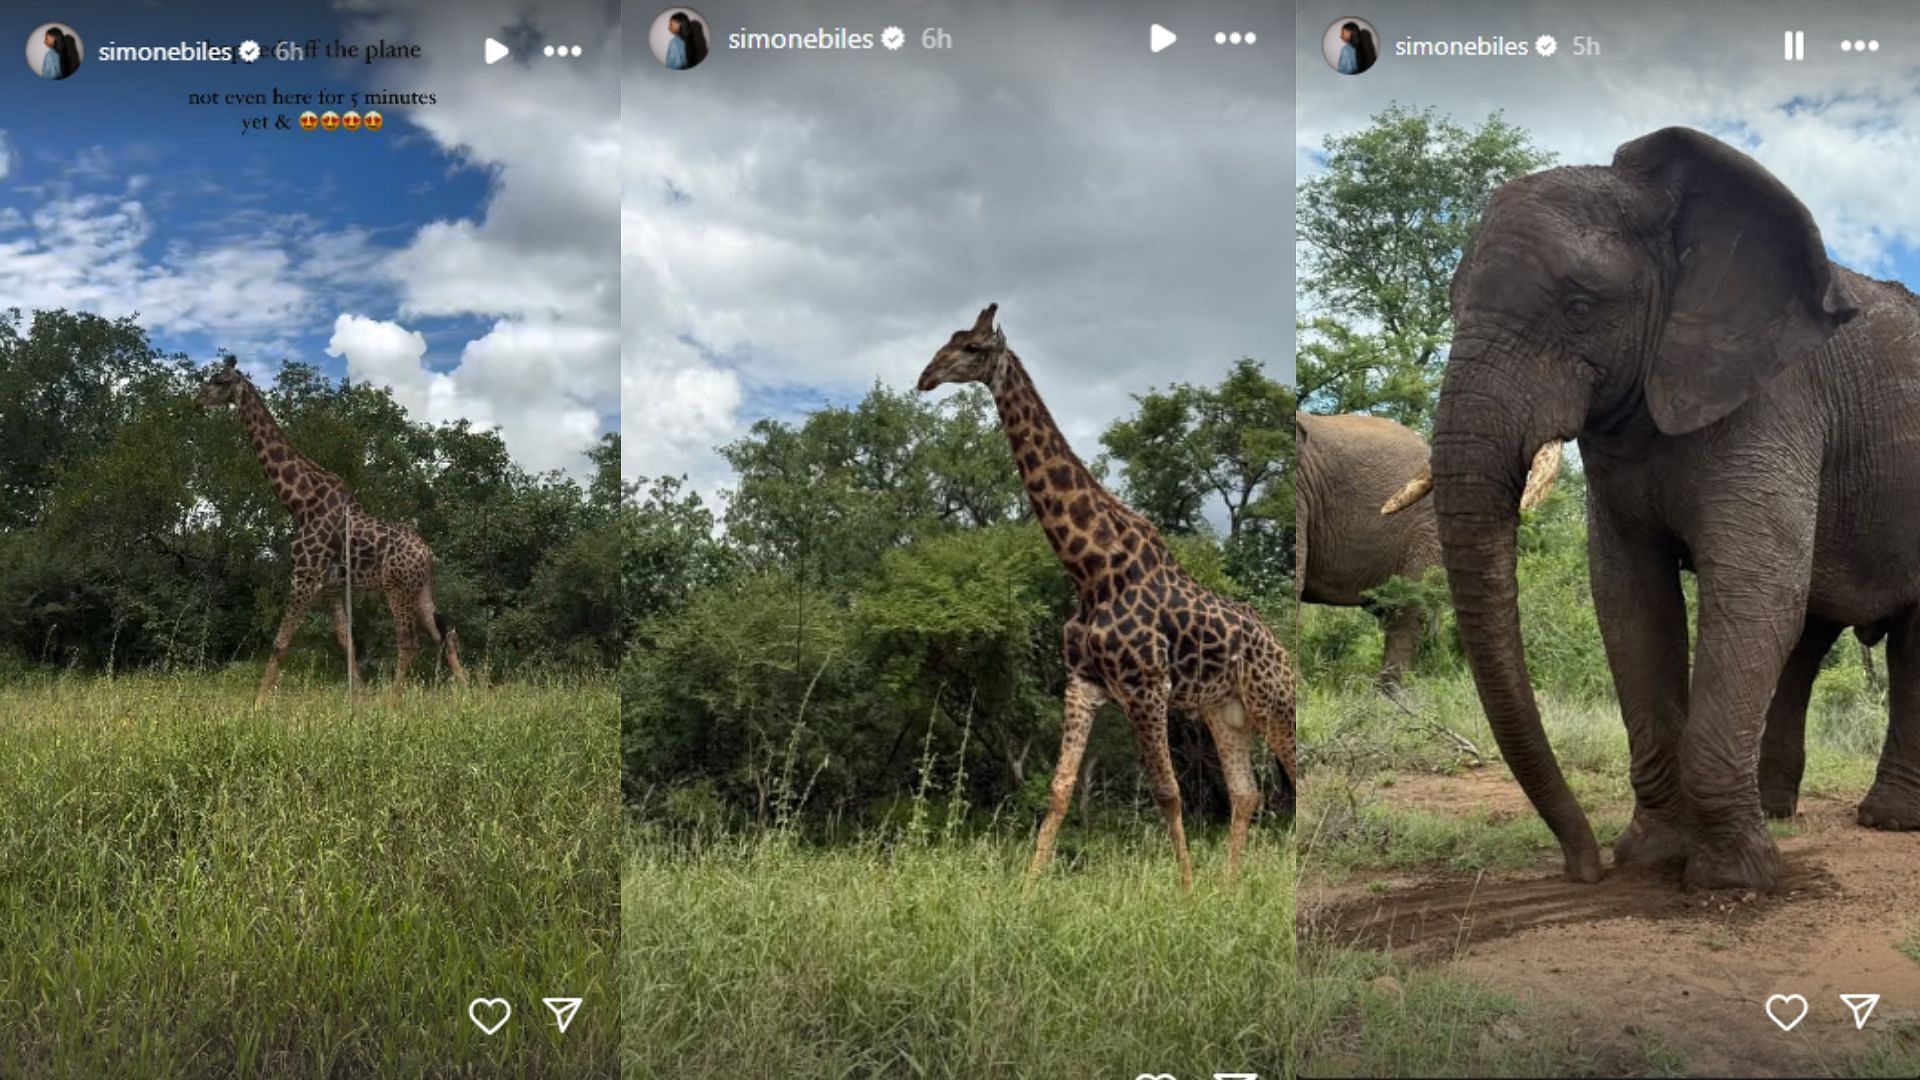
(1480,459)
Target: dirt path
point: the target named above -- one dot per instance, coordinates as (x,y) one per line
(1634,956)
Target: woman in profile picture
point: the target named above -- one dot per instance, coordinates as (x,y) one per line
(62,57)
(689,44)
(1358,53)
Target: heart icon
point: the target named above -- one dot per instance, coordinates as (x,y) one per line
(1785,1000)
(505,1008)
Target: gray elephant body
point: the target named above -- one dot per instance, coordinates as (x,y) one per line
(1745,410)
(1348,467)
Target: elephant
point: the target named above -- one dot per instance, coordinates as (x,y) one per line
(1783,755)
(1746,410)
(1347,468)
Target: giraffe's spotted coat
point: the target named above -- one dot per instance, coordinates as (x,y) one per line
(1145,634)
(332,533)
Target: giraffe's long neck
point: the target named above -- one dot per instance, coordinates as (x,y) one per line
(1093,533)
(295,480)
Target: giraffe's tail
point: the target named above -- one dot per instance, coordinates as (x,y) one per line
(1269,681)
(450,644)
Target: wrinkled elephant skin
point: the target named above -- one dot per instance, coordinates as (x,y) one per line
(1746,410)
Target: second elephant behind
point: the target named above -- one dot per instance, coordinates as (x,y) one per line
(1349,468)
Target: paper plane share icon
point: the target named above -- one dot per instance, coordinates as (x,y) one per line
(1862,1006)
(563,1010)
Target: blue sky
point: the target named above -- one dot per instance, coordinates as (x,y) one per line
(466,254)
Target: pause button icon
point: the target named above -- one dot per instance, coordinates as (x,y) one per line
(1796,45)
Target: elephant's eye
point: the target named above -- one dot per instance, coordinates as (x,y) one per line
(1579,308)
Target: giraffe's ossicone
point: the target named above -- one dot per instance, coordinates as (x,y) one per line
(334,539)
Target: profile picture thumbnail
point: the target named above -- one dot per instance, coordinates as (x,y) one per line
(679,38)
(54,51)
(1350,45)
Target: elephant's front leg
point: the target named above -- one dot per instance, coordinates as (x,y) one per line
(1894,800)
(1643,624)
(1783,746)
(1751,616)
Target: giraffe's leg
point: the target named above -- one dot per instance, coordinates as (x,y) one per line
(441,633)
(1231,737)
(402,607)
(298,600)
(343,635)
(1083,700)
(1146,706)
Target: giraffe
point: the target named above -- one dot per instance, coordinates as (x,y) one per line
(385,557)
(1144,634)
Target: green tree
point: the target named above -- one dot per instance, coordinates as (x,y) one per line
(830,495)
(1381,228)
(67,380)
(1227,447)
(137,529)
(671,550)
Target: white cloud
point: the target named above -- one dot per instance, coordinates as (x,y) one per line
(541,260)
(506,378)
(6,156)
(384,353)
(240,287)
(251,291)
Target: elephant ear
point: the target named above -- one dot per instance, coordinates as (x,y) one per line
(1753,290)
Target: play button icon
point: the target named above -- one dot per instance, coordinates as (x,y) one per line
(496,52)
(1160,37)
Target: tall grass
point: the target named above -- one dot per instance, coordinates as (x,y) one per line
(761,957)
(922,950)
(191,887)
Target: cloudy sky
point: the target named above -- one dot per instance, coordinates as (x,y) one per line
(798,226)
(1842,129)
(465,256)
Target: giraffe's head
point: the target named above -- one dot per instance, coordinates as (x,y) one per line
(223,387)
(971,355)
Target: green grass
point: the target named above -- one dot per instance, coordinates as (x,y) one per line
(1357,742)
(191,887)
(764,958)
(1362,1014)
(1347,830)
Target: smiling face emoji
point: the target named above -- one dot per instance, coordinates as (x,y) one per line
(309,120)
(373,120)
(350,120)
(329,121)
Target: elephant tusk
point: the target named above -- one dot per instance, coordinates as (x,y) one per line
(1416,489)
(1541,474)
